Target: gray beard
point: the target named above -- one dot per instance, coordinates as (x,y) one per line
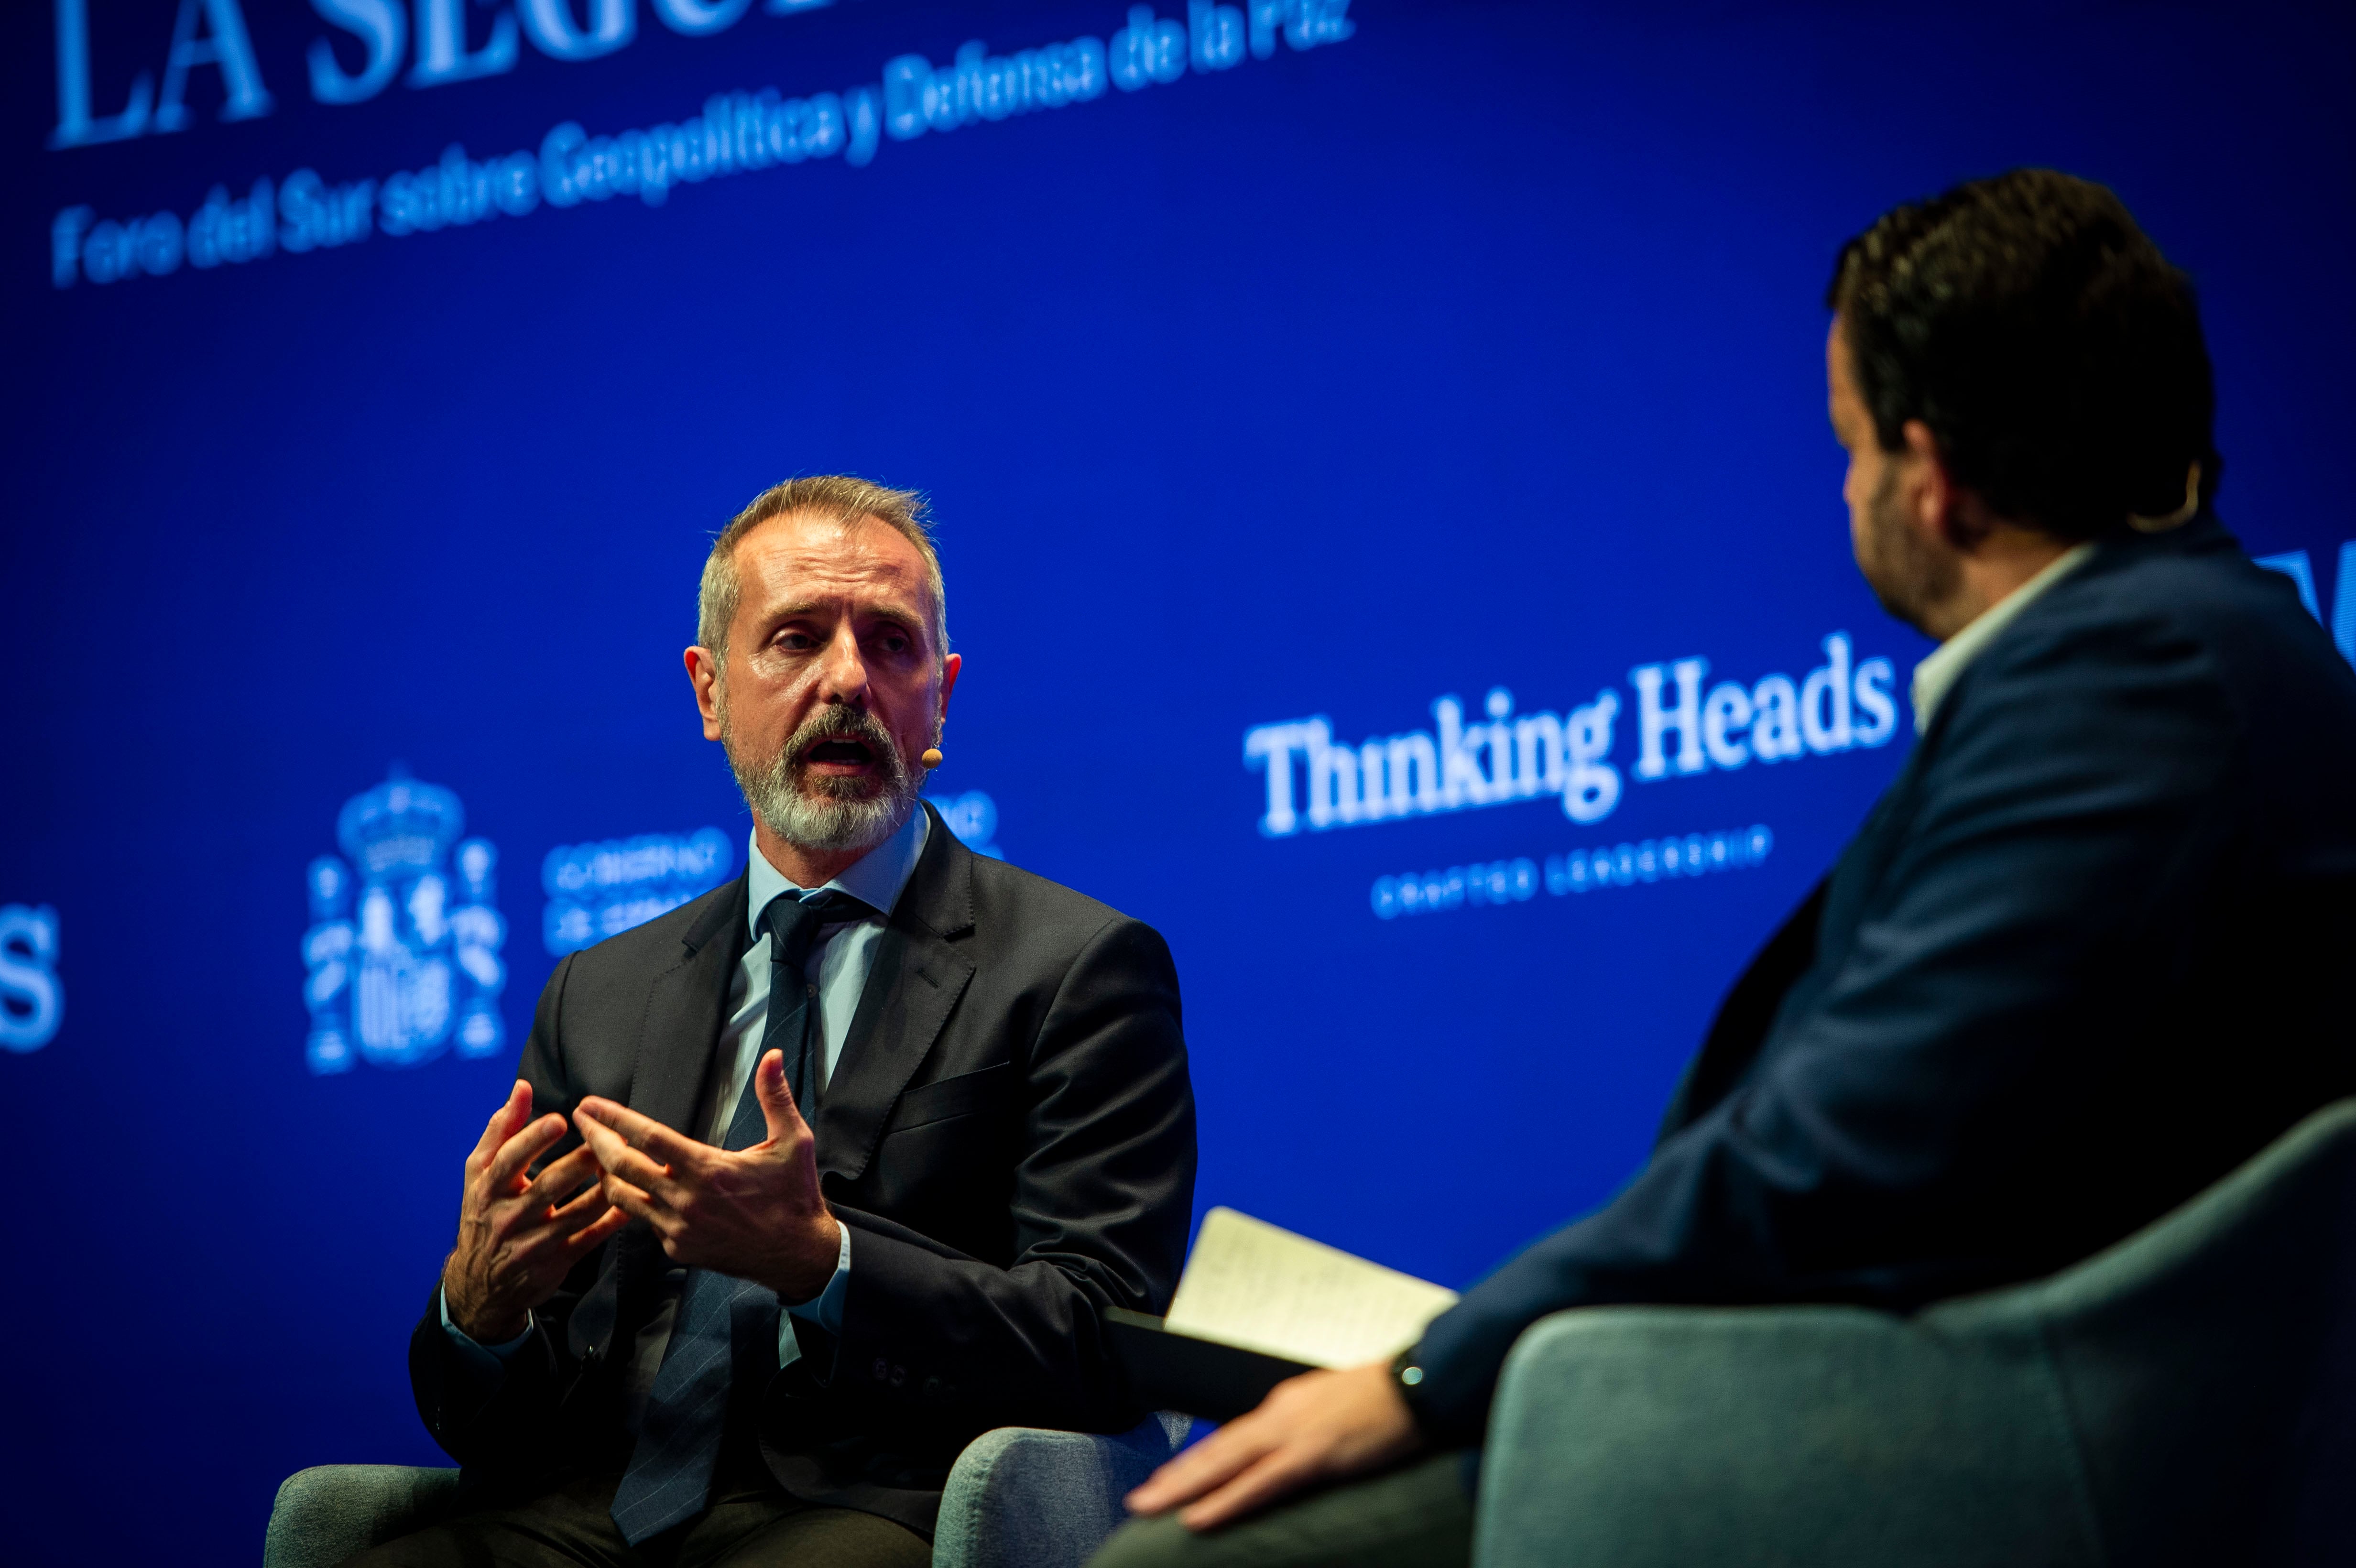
(846,814)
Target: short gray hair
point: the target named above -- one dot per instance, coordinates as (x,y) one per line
(838,497)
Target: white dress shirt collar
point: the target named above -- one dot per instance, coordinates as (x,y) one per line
(1937,674)
(875,878)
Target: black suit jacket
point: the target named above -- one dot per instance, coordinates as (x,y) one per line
(2090,952)
(1009,1136)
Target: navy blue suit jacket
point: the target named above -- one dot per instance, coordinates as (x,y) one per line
(2090,952)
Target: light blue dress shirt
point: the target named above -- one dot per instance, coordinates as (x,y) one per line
(842,958)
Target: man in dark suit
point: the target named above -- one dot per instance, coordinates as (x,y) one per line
(840,1165)
(2088,953)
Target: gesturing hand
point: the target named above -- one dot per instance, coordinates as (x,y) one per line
(517,1237)
(1319,1426)
(755,1213)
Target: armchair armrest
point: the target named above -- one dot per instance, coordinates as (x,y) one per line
(328,1512)
(1021,1497)
(1660,1437)
(1017,1498)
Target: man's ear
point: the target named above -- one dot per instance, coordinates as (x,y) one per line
(703,674)
(949,667)
(1936,504)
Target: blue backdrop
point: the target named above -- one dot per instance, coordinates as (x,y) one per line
(1347,423)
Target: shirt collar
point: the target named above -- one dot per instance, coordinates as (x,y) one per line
(875,878)
(1937,674)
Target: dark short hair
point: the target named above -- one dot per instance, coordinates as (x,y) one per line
(2053,351)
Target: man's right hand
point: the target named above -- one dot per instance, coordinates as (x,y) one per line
(519,1236)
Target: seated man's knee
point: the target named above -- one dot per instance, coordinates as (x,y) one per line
(1160,1542)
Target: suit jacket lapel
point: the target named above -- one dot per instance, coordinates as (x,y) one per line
(1809,944)
(1745,1018)
(1817,937)
(919,974)
(686,1007)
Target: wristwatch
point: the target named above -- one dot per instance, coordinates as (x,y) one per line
(1406,1376)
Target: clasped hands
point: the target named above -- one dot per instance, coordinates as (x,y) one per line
(755,1213)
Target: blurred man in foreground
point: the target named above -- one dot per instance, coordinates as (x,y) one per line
(2086,955)
(836,1167)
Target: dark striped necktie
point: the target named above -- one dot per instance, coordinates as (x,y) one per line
(669,1477)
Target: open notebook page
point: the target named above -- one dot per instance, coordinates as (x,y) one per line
(1251,1284)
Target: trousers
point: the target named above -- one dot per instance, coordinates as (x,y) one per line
(752,1522)
(1419,1516)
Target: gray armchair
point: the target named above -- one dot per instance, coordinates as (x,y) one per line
(1016,1498)
(1020,1498)
(328,1512)
(2186,1396)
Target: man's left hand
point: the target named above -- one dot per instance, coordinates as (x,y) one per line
(1317,1427)
(755,1213)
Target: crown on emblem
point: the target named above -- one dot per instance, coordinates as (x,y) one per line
(402,826)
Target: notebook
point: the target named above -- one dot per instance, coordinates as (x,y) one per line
(1258,1304)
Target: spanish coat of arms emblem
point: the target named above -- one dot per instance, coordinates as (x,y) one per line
(403,947)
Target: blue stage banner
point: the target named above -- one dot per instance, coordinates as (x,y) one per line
(1382,478)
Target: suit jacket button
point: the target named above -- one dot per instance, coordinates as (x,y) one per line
(935,1389)
(883,1369)
(899,1376)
